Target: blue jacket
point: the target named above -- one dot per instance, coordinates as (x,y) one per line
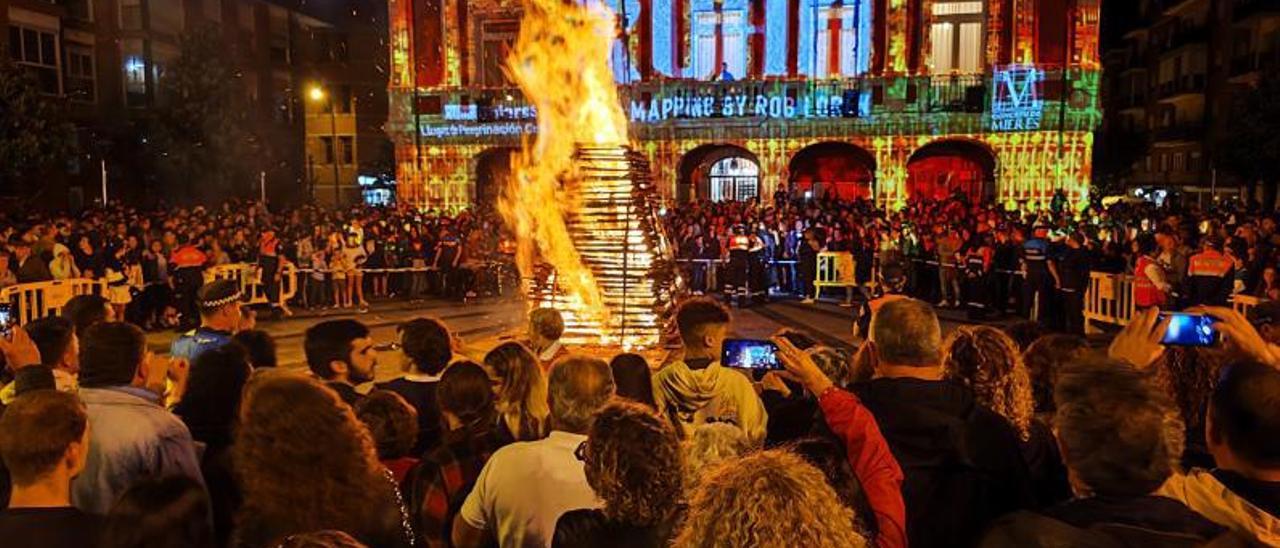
(131,437)
(195,342)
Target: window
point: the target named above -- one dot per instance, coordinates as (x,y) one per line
(80,9)
(37,50)
(326,149)
(1164,162)
(79,74)
(130,14)
(1179,161)
(851,52)
(733,38)
(956,36)
(340,51)
(347,144)
(135,72)
(1193,164)
(734,179)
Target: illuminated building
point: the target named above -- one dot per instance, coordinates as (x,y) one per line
(891,99)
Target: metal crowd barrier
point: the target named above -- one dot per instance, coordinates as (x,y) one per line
(835,269)
(32,301)
(249,277)
(1109,300)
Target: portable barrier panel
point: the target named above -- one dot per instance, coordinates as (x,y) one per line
(1244,303)
(249,278)
(1109,299)
(37,300)
(835,269)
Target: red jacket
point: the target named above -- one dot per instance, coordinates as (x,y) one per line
(872,463)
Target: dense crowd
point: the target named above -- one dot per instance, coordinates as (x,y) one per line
(973,439)
(988,258)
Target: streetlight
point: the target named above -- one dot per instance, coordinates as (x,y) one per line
(317,94)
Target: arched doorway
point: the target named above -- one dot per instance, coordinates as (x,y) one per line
(493,173)
(841,170)
(718,173)
(943,169)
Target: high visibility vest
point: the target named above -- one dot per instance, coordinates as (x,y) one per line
(1209,263)
(1145,292)
(740,242)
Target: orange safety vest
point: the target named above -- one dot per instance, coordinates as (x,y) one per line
(740,242)
(188,256)
(1209,263)
(1145,292)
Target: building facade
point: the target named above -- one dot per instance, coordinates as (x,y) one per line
(105,59)
(1171,83)
(732,99)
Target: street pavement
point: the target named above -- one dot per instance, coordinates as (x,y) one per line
(481,325)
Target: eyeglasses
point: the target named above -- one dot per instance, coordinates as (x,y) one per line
(581,452)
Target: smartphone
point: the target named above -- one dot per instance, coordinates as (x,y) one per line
(6,319)
(1189,330)
(750,354)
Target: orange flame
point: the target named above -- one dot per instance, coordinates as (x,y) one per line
(561,62)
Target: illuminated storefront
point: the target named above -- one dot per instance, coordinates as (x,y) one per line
(889,99)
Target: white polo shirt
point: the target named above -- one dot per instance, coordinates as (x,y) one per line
(525,487)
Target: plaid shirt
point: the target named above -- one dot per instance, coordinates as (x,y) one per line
(444,477)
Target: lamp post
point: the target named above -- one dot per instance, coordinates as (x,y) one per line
(317,94)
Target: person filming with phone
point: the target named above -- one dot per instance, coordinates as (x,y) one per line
(698,388)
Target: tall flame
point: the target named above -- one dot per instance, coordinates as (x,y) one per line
(561,62)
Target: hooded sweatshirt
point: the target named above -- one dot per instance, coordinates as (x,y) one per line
(691,397)
(1201,491)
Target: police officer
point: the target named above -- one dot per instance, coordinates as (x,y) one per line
(893,283)
(1035,265)
(978,261)
(1071,276)
(1210,275)
(220,317)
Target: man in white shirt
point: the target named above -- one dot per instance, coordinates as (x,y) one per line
(526,486)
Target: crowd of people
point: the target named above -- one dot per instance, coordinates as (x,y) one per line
(979,438)
(989,259)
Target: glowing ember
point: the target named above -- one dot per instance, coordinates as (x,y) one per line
(581,204)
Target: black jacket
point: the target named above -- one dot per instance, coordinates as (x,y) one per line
(1101,522)
(962,463)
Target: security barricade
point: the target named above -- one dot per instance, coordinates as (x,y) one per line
(1244,303)
(32,301)
(249,278)
(1109,300)
(835,269)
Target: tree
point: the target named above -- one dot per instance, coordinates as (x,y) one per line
(205,139)
(1251,148)
(34,133)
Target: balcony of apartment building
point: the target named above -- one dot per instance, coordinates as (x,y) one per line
(1185,36)
(1243,10)
(332,154)
(1186,85)
(1181,132)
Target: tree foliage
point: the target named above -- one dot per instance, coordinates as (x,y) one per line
(1251,148)
(205,139)
(34,132)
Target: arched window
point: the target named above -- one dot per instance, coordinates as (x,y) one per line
(734,179)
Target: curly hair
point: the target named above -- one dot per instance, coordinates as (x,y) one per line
(769,498)
(522,395)
(392,422)
(633,462)
(1045,358)
(709,445)
(987,361)
(1189,375)
(305,463)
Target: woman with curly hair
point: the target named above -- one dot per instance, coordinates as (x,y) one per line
(632,460)
(987,361)
(305,463)
(521,390)
(769,498)
(1045,358)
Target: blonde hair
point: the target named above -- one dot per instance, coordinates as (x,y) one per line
(769,498)
(986,360)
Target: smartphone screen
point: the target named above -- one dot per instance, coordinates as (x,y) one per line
(6,319)
(750,354)
(1189,330)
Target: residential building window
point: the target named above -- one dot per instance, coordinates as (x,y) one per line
(135,72)
(130,14)
(37,51)
(80,9)
(729,28)
(348,150)
(1179,161)
(80,74)
(956,36)
(326,149)
(1164,162)
(341,49)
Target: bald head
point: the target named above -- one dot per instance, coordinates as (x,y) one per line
(579,386)
(906,332)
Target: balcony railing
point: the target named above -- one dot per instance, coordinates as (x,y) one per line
(1187,84)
